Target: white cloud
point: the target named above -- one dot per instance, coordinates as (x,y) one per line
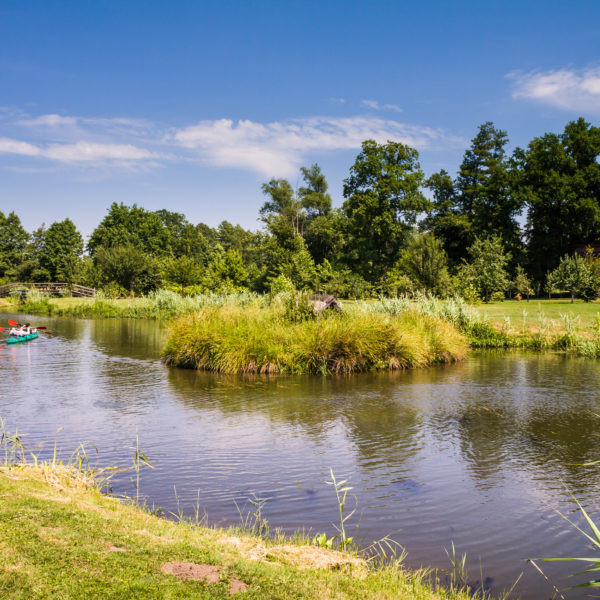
(563,88)
(54,120)
(48,121)
(272,149)
(337,100)
(278,148)
(79,152)
(9,146)
(376,106)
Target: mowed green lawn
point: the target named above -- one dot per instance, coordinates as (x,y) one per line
(519,311)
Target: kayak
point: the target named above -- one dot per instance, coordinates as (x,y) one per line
(22,338)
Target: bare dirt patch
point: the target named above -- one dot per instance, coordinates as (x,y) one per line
(235,585)
(207,573)
(116,549)
(187,570)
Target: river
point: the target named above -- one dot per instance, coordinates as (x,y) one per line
(477,453)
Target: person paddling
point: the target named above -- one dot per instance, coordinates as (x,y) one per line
(17,330)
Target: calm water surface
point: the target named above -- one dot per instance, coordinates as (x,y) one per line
(476,453)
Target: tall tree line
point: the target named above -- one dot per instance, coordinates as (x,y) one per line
(395,231)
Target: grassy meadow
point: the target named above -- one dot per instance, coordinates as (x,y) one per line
(526,315)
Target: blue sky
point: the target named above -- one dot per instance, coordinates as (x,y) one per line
(190,106)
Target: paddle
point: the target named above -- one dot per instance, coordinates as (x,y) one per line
(13,323)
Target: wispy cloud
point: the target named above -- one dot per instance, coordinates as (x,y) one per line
(54,120)
(373,104)
(577,90)
(78,152)
(75,140)
(337,100)
(278,148)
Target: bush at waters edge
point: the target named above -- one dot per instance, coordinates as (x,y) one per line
(233,339)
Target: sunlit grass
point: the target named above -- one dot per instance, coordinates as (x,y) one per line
(234,339)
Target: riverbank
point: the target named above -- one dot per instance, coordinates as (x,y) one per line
(234,339)
(61,538)
(532,331)
(555,325)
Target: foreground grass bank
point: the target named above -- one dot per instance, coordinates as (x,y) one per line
(234,339)
(61,538)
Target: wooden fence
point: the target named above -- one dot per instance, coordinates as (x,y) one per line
(52,289)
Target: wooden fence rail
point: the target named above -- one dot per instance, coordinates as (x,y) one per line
(53,289)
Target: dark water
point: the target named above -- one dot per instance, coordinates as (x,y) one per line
(477,454)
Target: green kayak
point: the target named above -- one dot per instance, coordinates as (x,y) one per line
(21,338)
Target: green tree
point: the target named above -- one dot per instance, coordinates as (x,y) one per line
(424,260)
(559,180)
(61,251)
(13,244)
(313,195)
(486,271)
(282,204)
(134,227)
(324,237)
(285,253)
(30,269)
(576,275)
(184,239)
(485,188)
(383,200)
(445,219)
(183,270)
(521,284)
(128,266)
(229,272)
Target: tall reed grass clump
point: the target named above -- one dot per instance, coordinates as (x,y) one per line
(255,339)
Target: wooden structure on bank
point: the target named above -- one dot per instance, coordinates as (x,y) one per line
(323,302)
(52,289)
